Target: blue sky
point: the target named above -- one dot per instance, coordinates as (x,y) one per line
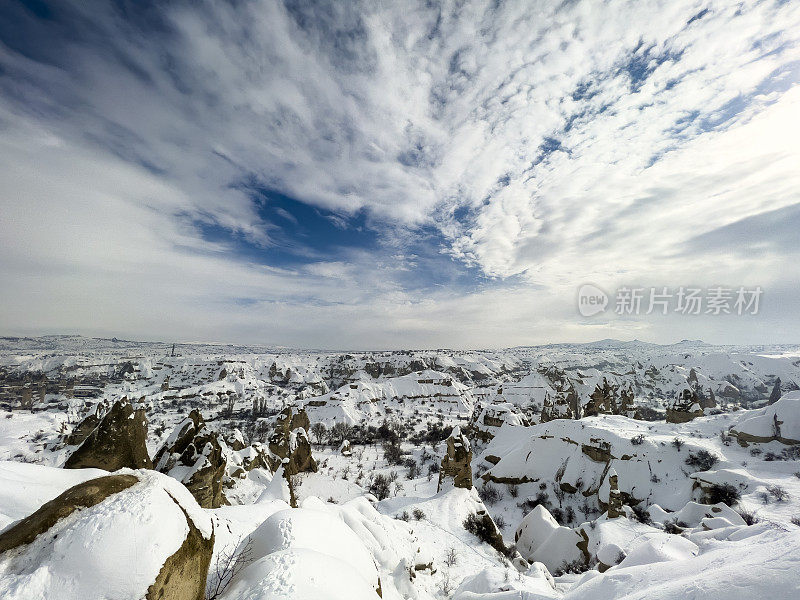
(351,175)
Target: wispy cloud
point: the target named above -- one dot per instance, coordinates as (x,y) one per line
(514,149)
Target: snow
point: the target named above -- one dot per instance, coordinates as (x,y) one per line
(560,547)
(299,574)
(761,423)
(537,526)
(313,530)
(341,541)
(25,487)
(114,549)
(764,566)
(501,584)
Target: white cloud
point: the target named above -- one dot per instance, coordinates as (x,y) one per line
(414,113)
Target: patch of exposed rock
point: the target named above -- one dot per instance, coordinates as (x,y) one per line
(118,441)
(289,444)
(345,449)
(457,461)
(290,447)
(615,500)
(685,408)
(82,430)
(193,455)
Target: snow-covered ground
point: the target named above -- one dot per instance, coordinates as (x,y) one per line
(710,507)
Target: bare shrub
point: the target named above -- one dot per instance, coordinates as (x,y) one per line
(748,516)
(702,460)
(229,562)
(778,493)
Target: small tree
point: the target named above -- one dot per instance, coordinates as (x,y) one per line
(318,430)
(393,453)
(339,433)
(380,486)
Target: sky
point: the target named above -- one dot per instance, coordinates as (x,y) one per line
(365,175)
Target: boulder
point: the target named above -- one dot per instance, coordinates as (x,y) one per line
(539,538)
(533,530)
(344,449)
(457,461)
(133,534)
(193,455)
(118,441)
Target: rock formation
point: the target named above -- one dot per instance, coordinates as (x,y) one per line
(614,497)
(118,441)
(547,409)
(488,418)
(457,461)
(627,407)
(82,430)
(776,392)
(48,544)
(685,408)
(561,406)
(779,422)
(290,447)
(603,400)
(344,449)
(235,440)
(193,455)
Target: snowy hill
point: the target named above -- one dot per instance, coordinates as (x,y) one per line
(333,476)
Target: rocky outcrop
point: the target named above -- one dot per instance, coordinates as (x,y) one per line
(685,408)
(82,430)
(118,441)
(457,461)
(101,508)
(289,444)
(627,406)
(776,392)
(182,577)
(290,448)
(235,440)
(603,400)
(193,455)
(487,419)
(615,500)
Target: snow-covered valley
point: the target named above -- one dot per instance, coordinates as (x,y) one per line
(599,471)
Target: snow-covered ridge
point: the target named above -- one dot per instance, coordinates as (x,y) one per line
(518,501)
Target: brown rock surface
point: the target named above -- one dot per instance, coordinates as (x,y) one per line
(118,441)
